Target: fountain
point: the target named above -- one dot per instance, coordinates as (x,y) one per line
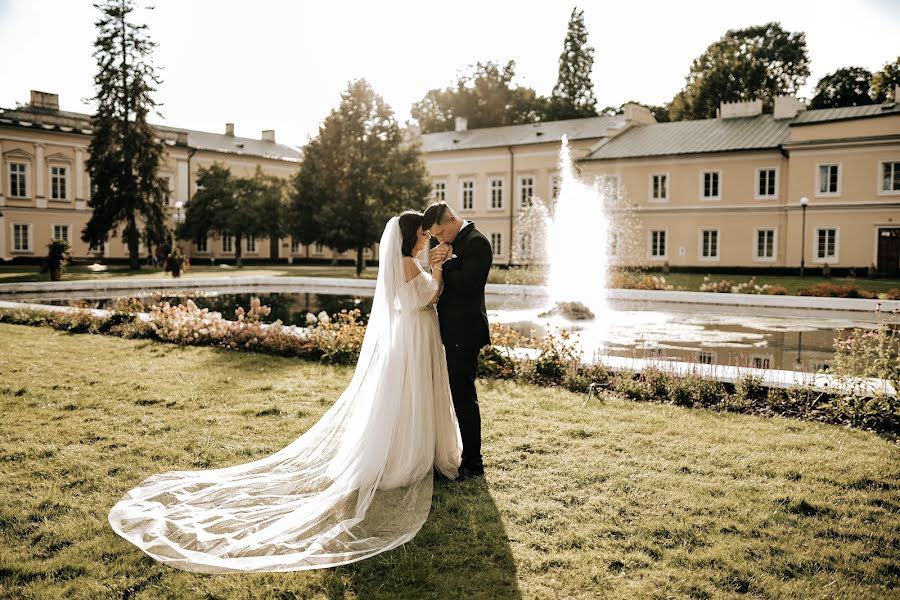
(577,245)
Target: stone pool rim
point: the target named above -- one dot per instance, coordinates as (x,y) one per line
(350,285)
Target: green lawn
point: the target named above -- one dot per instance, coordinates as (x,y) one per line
(584,499)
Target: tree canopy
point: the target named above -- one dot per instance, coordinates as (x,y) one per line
(228,206)
(356,173)
(486,95)
(848,86)
(761,62)
(884,82)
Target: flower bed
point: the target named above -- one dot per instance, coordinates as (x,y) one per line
(555,359)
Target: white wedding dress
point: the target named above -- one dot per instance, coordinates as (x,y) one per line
(358,483)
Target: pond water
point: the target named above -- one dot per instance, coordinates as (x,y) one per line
(792,339)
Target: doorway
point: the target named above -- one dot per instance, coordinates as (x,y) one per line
(889,251)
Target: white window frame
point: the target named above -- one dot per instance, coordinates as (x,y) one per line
(833,259)
(491,182)
(700,354)
(554,183)
(766,361)
(205,248)
(756,194)
(227,244)
(650,255)
(880,181)
(525,201)
(247,244)
(23,175)
(29,238)
(97,249)
(755,241)
(65,226)
(319,248)
(66,197)
(613,244)
(462,194)
(436,194)
(701,246)
(167,193)
(840,176)
(497,243)
(295,245)
(703,196)
(613,183)
(668,183)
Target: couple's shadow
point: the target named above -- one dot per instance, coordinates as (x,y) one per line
(462,551)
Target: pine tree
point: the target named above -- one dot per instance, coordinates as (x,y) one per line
(124,153)
(573,95)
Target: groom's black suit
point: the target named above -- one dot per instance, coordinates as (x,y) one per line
(464,329)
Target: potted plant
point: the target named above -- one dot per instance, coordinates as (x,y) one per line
(56,260)
(176,263)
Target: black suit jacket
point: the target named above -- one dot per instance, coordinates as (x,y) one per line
(461,311)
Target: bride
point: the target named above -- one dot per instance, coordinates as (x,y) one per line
(358,483)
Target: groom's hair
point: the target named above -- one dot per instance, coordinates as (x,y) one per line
(437,213)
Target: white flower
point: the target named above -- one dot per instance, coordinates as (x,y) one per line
(323,317)
(310,318)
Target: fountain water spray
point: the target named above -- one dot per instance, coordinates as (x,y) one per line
(578,241)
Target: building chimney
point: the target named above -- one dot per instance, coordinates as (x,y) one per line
(462,123)
(635,113)
(44,100)
(268,135)
(229,129)
(741,108)
(787,107)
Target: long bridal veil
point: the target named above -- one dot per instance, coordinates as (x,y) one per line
(317,502)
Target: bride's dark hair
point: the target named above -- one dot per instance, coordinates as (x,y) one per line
(410,221)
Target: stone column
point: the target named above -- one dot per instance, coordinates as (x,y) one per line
(181,181)
(40,173)
(79,179)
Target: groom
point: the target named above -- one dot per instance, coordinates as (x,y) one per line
(465,256)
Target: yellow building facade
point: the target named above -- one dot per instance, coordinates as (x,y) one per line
(45,184)
(713,194)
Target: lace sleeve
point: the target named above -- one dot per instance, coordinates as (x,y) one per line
(426,287)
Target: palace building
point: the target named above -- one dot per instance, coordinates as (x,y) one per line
(743,190)
(45,184)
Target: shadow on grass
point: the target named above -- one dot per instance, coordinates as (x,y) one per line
(462,551)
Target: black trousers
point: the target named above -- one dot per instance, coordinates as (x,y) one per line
(462,366)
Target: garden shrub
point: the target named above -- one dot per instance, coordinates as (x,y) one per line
(831,290)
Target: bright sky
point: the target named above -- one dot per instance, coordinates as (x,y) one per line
(281,65)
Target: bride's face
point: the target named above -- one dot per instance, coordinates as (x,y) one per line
(421,241)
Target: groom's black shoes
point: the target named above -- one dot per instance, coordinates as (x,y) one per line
(466,474)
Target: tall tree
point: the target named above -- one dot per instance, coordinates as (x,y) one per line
(486,96)
(124,153)
(884,82)
(573,95)
(224,205)
(761,62)
(356,173)
(845,87)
